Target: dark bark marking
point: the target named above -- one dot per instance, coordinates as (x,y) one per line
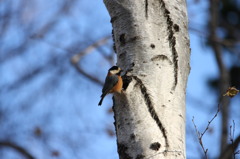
(151,108)
(113,108)
(176,28)
(139,121)
(146,9)
(152,46)
(122,55)
(122,39)
(172,41)
(142,75)
(166,10)
(155,146)
(161,57)
(132,136)
(132,64)
(122,151)
(181,116)
(140,156)
(176,8)
(113,19)
(133,39)
(114,46)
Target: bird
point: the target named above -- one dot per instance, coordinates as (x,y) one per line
(113,82)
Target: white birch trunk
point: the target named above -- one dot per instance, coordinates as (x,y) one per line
(152,45)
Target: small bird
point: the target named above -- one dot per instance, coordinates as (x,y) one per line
(113,82)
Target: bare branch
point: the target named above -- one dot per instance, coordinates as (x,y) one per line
(16,147)
(92,78)
(76,58)
(224,74)
(200,135)
(230,150)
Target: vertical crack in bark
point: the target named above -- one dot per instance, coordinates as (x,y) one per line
(172,41)
(151,109)
(146,9)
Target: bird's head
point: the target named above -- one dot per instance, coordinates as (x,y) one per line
(115,70)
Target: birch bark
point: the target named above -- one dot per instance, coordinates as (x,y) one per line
(152,45)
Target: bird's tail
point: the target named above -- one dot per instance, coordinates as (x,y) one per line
(102,97)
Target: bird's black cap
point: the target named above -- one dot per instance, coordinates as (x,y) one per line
(114,68)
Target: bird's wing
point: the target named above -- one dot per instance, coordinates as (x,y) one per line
(110,82)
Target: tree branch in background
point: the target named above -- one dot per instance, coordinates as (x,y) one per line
(16,147)
(92,78)
(200,135)
(230,151)
(234,144)
(76,59)
(224,75)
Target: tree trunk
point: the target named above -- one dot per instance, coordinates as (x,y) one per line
(152,45)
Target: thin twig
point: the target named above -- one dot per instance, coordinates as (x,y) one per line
(200,135)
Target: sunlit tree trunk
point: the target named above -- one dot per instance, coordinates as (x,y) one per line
(152,45)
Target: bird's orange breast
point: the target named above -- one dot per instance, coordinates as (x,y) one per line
(118,86)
